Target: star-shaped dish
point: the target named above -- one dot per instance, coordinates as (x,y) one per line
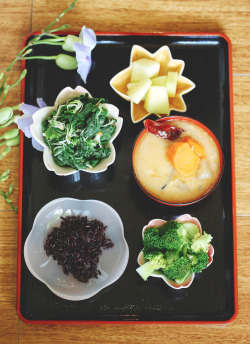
(167,64)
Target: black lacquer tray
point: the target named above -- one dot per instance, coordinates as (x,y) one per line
(213,295)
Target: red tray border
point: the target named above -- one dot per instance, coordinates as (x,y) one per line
(19,238)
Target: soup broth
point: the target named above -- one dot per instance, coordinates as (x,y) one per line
(157,175)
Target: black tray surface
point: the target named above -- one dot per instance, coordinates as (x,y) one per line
(211,297)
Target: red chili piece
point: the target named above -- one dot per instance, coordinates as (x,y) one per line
(162,130)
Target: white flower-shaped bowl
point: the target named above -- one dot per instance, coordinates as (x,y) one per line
(112,262)
(36,130)
(189,279)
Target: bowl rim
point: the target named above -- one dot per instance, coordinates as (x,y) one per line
(210,133)
(88,295)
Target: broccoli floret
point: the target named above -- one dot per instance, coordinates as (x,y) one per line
(170,225)
(179,269)
(171,240)
(151,254)
(165,237)
(156,262)
(171,256)
(189,231)
(198,260)
(202,244)
(151,239)
(175,249)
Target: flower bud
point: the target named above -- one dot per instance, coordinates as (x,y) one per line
(10,134)
(11,142)
(66,62)
(69,41)
(5,114)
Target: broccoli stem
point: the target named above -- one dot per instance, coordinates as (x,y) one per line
(145,270)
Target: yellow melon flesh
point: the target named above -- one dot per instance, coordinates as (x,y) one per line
(138,90)
(143,68)
(157,100)
(171,84)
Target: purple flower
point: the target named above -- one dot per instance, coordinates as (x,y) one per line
(25,121)
(83,51)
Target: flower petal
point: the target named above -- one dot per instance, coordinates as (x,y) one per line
(27,109)
(37,145)
(83,56)
(82,51)
(84,68)
(88,37)
(24,123)
(40,102)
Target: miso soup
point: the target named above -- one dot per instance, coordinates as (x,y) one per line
(162,175)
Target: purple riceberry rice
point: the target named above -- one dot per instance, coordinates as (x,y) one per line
(77,245)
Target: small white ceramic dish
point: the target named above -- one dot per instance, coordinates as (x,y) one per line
(112,262)
(189,279)
(41,114)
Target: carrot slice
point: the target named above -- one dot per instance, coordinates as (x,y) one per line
(183,158)
(195,146)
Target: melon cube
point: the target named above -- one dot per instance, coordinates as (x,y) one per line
(143,68)
(157,100)
(131,84)
(159,80)
(137,91)
(171,84)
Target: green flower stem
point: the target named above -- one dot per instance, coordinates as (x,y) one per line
(39,57)
(71,6)
(63,27)
(22,76)
(4,93)
(57,39)
(50,42)
(34,41)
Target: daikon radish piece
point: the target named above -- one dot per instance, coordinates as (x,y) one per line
(204,171)
(179,184)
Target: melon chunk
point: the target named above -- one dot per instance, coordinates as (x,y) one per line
(143,68)
(157,100)
(159,80)
(171,83)
(131,84)
(138,90)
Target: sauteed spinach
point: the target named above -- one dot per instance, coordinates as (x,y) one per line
(77,132)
